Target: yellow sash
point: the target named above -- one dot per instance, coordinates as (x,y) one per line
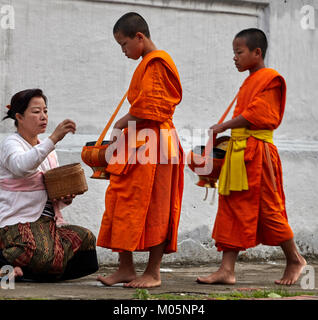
(233,175)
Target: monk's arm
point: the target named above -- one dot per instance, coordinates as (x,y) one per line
(123,122)
(237,122)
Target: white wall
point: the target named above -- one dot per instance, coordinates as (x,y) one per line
(67,49)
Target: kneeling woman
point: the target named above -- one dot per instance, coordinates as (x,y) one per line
(33,238)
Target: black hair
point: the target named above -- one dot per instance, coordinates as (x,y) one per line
(255,38)
(131,23)
(20,102)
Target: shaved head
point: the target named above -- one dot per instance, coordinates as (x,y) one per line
(255,38)
(131,23)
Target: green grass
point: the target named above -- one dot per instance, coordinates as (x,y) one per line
(171,296)
(143,294)
(256,294)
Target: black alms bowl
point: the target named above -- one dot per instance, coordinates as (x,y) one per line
(215,154)
(92,143)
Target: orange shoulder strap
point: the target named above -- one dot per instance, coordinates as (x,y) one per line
(211,140)
(109,123)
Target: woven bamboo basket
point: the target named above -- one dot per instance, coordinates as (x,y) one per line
(65,180)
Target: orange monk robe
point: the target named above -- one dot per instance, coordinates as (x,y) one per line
(143,201)
(257,215)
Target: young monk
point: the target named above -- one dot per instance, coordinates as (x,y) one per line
(251,197)
(143,200)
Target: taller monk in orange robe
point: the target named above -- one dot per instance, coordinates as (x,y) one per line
(253,211)
(143,199)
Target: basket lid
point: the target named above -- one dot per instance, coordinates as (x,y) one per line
(63,170)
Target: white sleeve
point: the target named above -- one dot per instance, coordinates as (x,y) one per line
(21,162)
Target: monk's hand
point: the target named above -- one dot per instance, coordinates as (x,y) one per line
(217,128)
(113,137)
(116,133)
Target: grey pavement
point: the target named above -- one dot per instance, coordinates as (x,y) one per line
(178,280)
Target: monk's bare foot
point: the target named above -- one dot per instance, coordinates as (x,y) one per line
(292,272)
(119,276)
(220,276)
(145,281)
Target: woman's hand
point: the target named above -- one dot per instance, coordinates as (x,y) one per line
(66,200)
(62,129)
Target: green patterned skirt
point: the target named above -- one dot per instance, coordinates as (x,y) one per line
(43,248)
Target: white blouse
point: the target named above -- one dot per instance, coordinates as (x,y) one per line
(19,159)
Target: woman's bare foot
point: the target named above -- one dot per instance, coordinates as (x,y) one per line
(292,271)
(145,281)
(120,276)
(220,276)
(17,272)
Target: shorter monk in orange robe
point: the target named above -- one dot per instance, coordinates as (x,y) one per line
(254,212)
(143,199)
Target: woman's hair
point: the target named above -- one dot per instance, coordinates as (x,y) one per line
(20,102)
